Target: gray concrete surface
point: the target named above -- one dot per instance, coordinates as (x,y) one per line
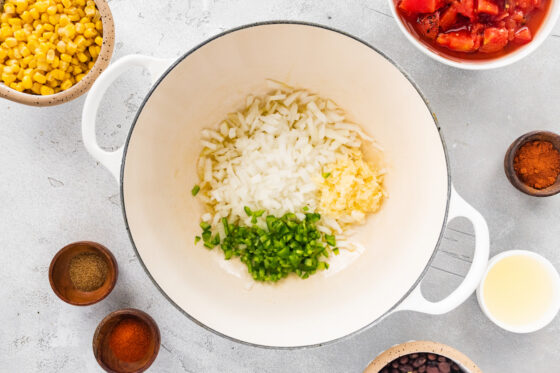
(53,193)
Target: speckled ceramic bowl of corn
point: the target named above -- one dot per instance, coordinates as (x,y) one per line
(79,88)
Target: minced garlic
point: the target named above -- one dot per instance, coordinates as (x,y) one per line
(350,188)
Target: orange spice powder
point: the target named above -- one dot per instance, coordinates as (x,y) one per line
(537,164)
(130,340)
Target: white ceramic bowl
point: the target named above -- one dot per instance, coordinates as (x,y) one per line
(523,51)
(159,169)
(547,316)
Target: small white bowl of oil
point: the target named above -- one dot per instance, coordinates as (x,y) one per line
(520,291)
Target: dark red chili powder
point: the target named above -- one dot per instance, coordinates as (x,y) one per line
(537,163)
(130,340)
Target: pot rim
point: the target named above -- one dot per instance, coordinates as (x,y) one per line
(196,48)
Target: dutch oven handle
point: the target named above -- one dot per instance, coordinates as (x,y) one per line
(416,301)
(113,160)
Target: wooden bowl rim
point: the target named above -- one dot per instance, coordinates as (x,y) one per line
(421,347)
(94,245)
(83,85)
(512,175)
(152,325)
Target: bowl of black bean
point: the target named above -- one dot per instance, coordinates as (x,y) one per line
(422,357)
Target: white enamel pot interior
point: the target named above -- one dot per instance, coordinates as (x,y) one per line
(158,171)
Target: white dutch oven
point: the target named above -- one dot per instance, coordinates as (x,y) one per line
(156,170)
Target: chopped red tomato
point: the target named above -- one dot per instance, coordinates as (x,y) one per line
(448,18)
(475,29)
(466,8)
(461,41)
(421,6)
(494,39)
(523,35)
(488,7)
(428,25)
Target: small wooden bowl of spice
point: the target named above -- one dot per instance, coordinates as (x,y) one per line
(83,273)
(532,163)
(126,341)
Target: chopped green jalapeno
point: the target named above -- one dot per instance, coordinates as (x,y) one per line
(287,245)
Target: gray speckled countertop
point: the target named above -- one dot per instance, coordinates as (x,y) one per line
(53,193)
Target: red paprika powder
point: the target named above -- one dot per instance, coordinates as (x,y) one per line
(130,340)
(537,163)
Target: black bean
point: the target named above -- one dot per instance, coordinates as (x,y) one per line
(431,357)
(441,358)
(432,370)
(422,369)
(395,364)
(414,356)
(405,368)
(403,360)
(444,367)
(419,361)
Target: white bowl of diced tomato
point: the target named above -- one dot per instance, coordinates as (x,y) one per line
(476,34)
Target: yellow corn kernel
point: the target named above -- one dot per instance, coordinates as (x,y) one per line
(51,55)
(20,75)
(77,70)
(90,11)
(54,19)
(42,6)
(90,33)
(27,82)
(17,86)
(56,62)
(51,10)
(34,12)
(65,85)
(99,26)
(67,3)
(58,74)
(99,40)
(80,28)
(11,42)
(15,22)
(61,46)
(63,20)
(79,77)
(26,17)
(82,57)
(16,54)
(90,65)
(47,35)
(21,6)
(39,78)
(9,8)
(48,27)
(8,78)
(36,88)
(80,3)
(45,90)
(3,54)
(20,35)
(26,61)
(66,57)
(44,17)
(25,52)
(64,65)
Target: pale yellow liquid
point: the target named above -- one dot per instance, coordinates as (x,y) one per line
(518,290)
